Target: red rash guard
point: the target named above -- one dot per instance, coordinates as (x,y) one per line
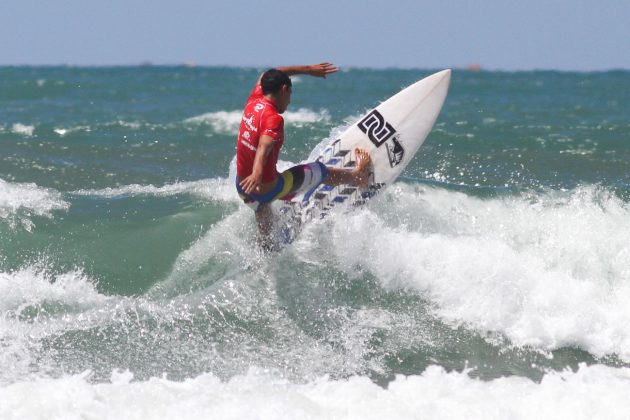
(260,117)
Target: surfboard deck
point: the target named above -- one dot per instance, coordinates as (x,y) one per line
(392,133)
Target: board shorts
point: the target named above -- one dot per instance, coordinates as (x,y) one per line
(300,179)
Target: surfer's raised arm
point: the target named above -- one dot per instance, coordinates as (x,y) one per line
(316,70)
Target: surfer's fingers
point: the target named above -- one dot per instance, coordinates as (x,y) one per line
(323,69)
(248,185)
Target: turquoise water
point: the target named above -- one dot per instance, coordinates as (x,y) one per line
(501,253)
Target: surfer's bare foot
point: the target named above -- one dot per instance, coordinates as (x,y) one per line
(362,168)
(359,176)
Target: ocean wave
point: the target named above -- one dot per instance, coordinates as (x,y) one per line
(25,130)
(39,308)
(223,122)
(591,392)
(546,271)
(32,287)
(29,130)
(227,246)
(35,305)
(61,131)
(210,189)
(228,122)
(306,116)
(20,201)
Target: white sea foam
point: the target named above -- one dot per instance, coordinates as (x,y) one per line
(134,125)
(30,287)
(37,305)
(34,305)
(211,189)
(65,131)
(305,116)
(545,271)
(594,392)
(20,201)
(228,122)
(25,130)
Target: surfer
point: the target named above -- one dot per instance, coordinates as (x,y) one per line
(260,139)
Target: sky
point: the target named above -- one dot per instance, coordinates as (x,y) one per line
(580,35)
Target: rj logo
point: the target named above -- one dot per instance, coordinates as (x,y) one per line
(377,129)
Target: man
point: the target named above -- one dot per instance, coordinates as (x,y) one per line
(260,139)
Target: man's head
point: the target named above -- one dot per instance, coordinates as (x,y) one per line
(277,83)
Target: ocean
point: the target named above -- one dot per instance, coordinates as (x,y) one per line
(491,281)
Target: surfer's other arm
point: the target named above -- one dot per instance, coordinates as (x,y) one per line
(251,183)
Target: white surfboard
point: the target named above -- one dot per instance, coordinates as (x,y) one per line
(392,133)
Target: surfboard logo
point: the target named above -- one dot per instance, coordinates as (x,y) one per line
(377,129)
(395,152)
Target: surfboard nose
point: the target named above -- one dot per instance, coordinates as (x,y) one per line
(440,80)
(444,74)
(440,83)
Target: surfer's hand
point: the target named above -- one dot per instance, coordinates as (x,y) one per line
(251,183)
(322,69)
(317,70)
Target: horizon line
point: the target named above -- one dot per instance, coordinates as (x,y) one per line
(471,68)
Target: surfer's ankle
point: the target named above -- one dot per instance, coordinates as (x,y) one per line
(361,177)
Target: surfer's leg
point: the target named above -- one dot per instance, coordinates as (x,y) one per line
(264,219)
(357,176)
(261,204)
(305,178)
(302,179)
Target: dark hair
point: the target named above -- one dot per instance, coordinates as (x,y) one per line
(273,79)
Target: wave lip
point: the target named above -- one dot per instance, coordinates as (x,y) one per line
(228,122)
(20,201)
(31,287)
(212,189)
